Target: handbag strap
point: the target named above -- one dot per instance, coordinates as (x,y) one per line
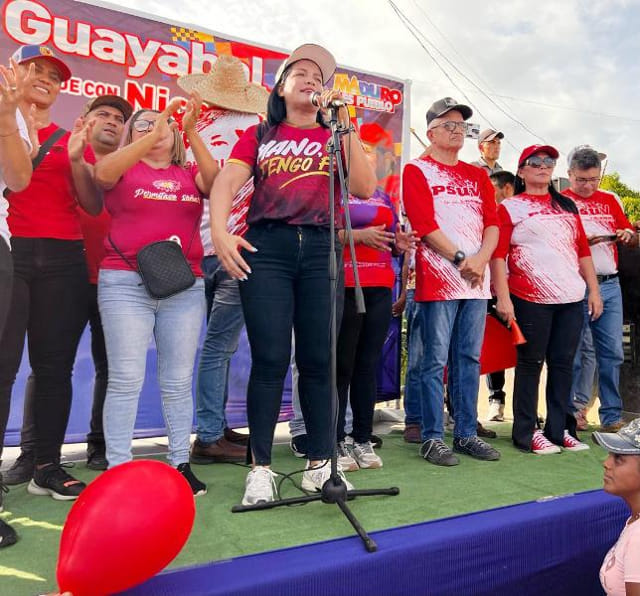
(128,262)
(42,152)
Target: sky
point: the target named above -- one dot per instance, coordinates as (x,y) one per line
(562,72)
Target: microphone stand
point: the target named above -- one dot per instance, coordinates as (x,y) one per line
(334,490)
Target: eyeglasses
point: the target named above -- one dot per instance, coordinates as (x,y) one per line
(142,125)
(540,162)
(594,180)
(451,125)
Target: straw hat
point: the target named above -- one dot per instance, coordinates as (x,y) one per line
(226,86)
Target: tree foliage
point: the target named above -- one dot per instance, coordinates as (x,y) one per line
(630,198)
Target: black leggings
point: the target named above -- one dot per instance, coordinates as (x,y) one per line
(49,305)
(289,288)
(552,332)
(99,356)
(6,282)
(360,346)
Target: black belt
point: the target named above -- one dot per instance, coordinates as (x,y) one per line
(603,278)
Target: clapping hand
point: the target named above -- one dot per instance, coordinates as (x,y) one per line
(192,111)
(79,138)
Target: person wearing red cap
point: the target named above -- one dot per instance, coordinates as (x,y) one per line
(451,206)
(543,247)
(49,299)
(285,256)
(15,175)
(101,125)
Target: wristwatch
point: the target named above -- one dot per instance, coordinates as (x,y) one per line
(458,257)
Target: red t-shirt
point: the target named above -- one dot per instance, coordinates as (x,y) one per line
(149,204)
(374,266)
(460,201)
(542,246)
(94,231)
(47,207)
(291,180)
(601,214)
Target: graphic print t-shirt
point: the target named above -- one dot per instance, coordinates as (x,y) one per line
(220,130)
(149,204)
(374,266)
(542,246)
(601,214)
(460,201)
(622,562)
(291,168)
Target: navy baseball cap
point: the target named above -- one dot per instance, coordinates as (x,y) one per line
(26,54)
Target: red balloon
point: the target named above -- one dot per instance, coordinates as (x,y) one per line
(125,527)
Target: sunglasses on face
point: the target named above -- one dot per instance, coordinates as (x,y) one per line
(451,125)
(540,162)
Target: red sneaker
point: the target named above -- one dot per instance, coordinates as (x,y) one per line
(572,444)
(543,446)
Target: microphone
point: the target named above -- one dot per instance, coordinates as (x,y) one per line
(334,103)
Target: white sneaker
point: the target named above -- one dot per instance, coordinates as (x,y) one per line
(345,460)
(572,444)
(543,446)
(260,486)
(314,478)
(365,456)
(496,411)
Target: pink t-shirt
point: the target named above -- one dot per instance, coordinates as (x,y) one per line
(460,201)
(147,205)
(622,562)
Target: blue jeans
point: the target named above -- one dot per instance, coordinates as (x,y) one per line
(220,343)
(412,386)
(130,317)
(607,341)
(453,327)
(584,371)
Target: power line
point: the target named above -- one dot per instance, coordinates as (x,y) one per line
(412,29)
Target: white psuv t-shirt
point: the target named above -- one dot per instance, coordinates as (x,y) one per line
(4,204)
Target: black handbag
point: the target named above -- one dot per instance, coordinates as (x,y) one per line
(163,267)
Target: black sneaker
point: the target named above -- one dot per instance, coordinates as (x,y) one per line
(96,458)
(8,535)
(52,480)
(22,469)
(435,451)
(198,488)
(477,448)
(299,445)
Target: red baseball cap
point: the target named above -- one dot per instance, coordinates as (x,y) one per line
(28,53)
(533,149)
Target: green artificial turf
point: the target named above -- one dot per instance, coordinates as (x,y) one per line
(426,492)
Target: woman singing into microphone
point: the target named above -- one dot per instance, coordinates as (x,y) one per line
(284,264)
